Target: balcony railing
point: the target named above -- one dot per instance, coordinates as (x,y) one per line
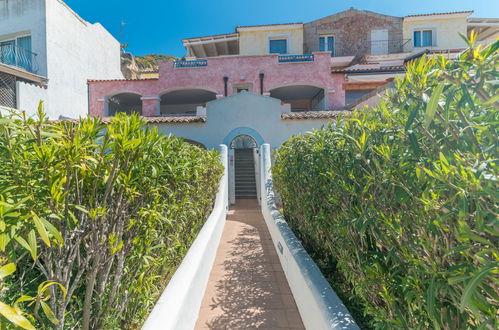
(191,64)
(18,57)
(367,47)
(295,58)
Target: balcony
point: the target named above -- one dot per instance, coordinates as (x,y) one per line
(368,47)
(295,58)
(191,64)
(19,57)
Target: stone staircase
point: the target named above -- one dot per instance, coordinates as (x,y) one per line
(244,173)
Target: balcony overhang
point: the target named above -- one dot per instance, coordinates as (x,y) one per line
(210,46)
(24,75)
(487,28)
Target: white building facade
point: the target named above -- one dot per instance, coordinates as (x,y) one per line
(48,52)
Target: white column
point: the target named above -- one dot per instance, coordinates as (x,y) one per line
(256,164)
(232,177)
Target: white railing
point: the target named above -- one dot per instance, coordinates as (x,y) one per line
(318,304)
(179,305)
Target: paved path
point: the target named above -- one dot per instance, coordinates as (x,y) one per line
(247,288)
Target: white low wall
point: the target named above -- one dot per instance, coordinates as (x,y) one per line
(178,306)
(318,304)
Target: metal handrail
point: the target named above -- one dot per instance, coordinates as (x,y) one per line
(19,57)
(296,58)
(190,64)
(364,47)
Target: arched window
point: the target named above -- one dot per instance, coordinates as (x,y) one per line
(243,141)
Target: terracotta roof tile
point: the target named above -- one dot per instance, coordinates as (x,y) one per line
(153,120)
(174,119)
(263,25)
(103,80)
(448,13)
(325,114)
(369,68)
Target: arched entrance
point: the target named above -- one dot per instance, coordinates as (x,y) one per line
(243,151)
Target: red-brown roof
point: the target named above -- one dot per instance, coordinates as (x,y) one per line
(262,25)
(469,12)
(325,114)
(103,80)
(369,68)
(153,120)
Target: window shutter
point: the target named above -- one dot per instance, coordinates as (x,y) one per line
(25,57)
(278,46)
(322,44)
(427,38)
(417,38)
(330,44)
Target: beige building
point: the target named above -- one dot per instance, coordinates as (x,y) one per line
(271,39)
(435,31)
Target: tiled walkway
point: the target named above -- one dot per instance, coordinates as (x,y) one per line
(247,288)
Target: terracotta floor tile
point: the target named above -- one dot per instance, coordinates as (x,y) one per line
(247,288)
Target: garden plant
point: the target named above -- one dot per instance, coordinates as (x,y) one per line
(95,218)
(398,204)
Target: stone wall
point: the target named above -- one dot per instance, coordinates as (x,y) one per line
(352,32)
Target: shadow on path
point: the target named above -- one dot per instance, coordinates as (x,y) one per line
(247,287)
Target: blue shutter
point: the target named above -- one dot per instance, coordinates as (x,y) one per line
(322,44)
(330,45)
(427,38)
(278,46)
(24,55)
(417,38)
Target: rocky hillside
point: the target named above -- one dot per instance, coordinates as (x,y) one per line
(131,65)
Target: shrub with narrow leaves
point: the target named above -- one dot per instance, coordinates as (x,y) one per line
(398,204)
(106,212)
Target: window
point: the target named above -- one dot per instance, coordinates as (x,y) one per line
(238,88)
(17,52)
(326,44)
(423,38)
(278,46)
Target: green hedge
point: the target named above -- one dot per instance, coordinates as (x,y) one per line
(105,212)
(398,204)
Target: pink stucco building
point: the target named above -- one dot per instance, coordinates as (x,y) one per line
(303,81)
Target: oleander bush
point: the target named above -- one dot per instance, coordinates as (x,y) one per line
(398,204)
(94,218)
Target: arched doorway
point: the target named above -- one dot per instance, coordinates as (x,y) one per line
(243,148)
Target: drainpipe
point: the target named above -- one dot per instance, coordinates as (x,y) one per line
(226,79)
(261,82)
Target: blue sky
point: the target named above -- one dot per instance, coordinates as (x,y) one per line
(157,26)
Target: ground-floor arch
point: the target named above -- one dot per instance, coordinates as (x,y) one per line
(196,143)
(301,97)
(127,102)
(184,101)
